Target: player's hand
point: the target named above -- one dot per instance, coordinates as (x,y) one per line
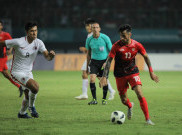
(154,77)
(103,66)
(52,54)
(83,49)
(103,82)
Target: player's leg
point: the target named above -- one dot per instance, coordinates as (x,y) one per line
(7,75)
(33,86)
(24,106)
(111,90)
(122,86)
(143,103)
(135,83)
(84,86)
(93,74)
(93,89)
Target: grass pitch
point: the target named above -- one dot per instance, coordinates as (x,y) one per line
(61,114)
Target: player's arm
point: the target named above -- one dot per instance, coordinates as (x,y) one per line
(103,80)
(152,75)
(49,55)
(83,49)
(88,58)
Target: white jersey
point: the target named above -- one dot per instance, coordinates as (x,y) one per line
(90,34)
(24,53)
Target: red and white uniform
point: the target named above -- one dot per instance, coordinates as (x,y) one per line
(3,56)
(23,58)
(125,69)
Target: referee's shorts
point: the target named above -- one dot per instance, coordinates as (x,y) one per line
(96,67)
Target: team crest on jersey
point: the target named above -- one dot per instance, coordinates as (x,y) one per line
(23,79)
(121,50)
(133,49)
(35,48)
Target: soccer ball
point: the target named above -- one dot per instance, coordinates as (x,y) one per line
(117,117)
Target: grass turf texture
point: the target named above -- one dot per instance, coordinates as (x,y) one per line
(61,114)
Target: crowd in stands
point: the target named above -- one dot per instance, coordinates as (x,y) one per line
(110,13)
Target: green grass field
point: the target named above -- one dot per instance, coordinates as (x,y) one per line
(61,114)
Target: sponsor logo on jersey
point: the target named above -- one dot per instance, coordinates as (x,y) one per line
(35,48)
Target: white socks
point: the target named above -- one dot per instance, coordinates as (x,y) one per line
(32,98)
(84,86)
(24,106)
(110,87)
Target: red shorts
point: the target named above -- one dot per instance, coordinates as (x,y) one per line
(123,82)
(3,65)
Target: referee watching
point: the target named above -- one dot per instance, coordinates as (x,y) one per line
(98,47)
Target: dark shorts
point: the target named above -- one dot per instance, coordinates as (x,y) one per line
(96,67)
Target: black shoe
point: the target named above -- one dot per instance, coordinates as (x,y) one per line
(104,101)
(24,116)
(33,112)
(21,91)
(93,102)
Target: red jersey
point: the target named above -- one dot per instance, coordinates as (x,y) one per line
(125,57)
(4,36)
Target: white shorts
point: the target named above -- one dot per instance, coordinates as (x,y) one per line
(84,67)
(22,78)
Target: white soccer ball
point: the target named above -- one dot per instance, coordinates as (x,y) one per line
(117,117)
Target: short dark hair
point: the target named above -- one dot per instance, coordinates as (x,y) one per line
(89,21)
(30,24)
(124,27)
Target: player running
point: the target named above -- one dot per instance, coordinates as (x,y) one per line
(98,46)
(25,52)
(88,26)
(4,58)
(125,70)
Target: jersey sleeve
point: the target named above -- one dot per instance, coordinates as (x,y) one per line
(42,47)
(109,43)
(112,53)
(11,43)
(8,36)
(87,44)
(141,49)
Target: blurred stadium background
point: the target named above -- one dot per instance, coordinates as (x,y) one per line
(157,24)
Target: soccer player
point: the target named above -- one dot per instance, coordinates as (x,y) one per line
(25,52)
(4,58)
(125,70)
(98,46)
(88,26)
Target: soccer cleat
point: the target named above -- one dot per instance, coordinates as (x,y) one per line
(33,112)
(93,102)
(82,97)
(104,102)
(24,116)
(111,96)
(149,122)
(21,91)
(129,114)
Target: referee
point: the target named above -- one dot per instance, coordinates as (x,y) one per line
(98,46)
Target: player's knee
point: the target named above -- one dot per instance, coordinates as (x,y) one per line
(35,88)
(84,76)
(124,100)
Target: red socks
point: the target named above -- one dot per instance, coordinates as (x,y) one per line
(128,103)
(144,107)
